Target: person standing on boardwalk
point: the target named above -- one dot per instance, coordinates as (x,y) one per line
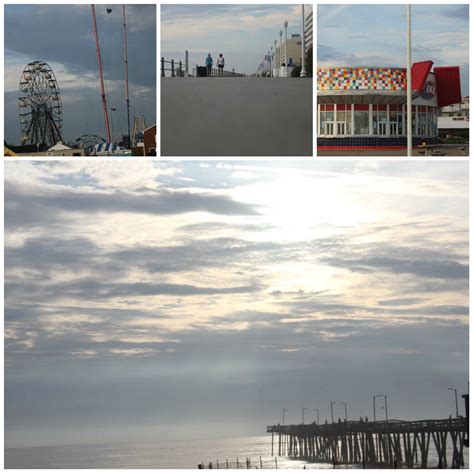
(209,63)
(220,64)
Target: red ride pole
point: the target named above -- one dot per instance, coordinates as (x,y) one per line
(101,77)
(125,59)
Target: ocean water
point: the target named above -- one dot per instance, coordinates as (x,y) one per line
(183,454)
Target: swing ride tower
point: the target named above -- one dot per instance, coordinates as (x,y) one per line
(101,77)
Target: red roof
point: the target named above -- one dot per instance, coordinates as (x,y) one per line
(419,74)
(448,85)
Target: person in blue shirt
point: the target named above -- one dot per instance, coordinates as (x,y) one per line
(209,63)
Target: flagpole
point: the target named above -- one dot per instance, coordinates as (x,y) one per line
(409,97)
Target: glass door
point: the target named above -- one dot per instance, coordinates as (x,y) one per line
(329,128)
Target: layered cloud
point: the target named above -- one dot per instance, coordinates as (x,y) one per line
(243,33)
(229,279)
(62,36)
(374,35)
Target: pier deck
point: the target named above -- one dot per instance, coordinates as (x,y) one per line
(392,442)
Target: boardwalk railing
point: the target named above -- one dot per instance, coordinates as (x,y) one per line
(216,73)
(237,463)
(391,442)
(174,67)
(179,68)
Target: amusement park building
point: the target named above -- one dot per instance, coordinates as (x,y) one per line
(365,107)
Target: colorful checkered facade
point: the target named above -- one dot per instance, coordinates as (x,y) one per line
(363,78)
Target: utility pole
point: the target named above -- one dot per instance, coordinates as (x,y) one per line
(409,106)
(101,77)
(125,60)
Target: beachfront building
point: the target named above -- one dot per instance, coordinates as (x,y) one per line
(365,107)
(289,54)
(453,121)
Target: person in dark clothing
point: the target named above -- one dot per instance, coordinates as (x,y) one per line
(209,63)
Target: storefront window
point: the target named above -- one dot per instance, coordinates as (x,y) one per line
(361,122)
(322,122)
(379,122)
(343,119)
(422,123)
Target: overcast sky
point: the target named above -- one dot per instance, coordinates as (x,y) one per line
(374,35)
(62,36)
(242,33)
(179,300)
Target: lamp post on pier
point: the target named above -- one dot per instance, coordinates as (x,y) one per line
(386,408)
(302,414)
(332,413)
(345,409)
(283,418)
(286,48)
(317,414)
(456,399)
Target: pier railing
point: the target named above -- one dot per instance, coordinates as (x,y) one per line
(237,463)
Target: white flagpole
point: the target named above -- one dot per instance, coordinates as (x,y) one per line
(409,107)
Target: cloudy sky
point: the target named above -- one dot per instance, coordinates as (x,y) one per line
(62,36)
(152,300)
(243,33)
(374,35)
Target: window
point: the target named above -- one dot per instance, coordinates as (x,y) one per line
(322,122)
(379,121)
(361,122)
(343,120)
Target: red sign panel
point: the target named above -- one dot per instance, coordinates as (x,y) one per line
(448,85)
(419,74)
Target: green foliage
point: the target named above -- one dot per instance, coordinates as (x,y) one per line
(309,62)
(296,71)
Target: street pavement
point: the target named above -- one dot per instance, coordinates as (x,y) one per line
(236,116)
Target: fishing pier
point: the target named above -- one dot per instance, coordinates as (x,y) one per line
(392,443)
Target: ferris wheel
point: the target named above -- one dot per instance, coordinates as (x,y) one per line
(39,102)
